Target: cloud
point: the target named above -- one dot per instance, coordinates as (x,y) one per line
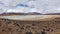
(22,10)
(25,6)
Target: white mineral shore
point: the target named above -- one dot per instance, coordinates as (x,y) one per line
(31,17)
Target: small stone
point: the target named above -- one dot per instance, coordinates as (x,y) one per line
(48,30)
(37,33)
(9,29)
(33,24)
(16,24)
(43,32)
(22,27)
(29,33)
(51,30)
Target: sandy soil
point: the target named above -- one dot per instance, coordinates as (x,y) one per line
(30,24)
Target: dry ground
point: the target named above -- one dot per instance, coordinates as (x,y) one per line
(47,24)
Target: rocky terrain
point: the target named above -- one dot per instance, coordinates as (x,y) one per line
(8,26)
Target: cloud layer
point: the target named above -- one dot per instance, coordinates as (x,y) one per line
(25,6)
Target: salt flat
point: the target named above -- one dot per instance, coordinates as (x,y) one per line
(31,17)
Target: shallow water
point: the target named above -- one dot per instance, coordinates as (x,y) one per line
(14,17)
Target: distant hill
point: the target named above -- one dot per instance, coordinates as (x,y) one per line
(34,13)
(52,14)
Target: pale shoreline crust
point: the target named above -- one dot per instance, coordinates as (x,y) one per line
(31,17)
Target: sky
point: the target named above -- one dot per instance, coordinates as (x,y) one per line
(26,6)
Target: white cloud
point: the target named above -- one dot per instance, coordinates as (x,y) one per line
(41,6)
(22,10)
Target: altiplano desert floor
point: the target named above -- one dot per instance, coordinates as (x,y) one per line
(9,26)
(30,24)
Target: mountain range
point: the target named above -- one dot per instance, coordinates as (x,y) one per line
(34,13)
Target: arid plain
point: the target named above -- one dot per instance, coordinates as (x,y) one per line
(30,24)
